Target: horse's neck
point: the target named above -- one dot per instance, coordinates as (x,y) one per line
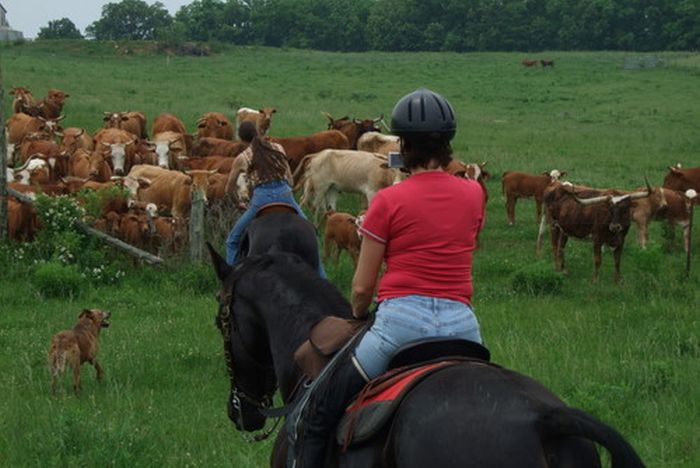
(285,337)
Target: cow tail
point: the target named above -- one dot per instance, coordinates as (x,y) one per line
(571,422)
(300,171)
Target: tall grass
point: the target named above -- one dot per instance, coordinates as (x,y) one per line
(629,354)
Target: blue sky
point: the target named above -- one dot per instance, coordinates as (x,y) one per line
(29,16)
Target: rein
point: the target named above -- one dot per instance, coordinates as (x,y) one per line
(263,405)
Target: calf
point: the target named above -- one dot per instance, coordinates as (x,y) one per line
(261,118)
(603,218)
(471,171)
(341,233)
(516,185)
(21,220)
(678,211)
(333,171)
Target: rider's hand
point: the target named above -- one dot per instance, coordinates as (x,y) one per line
(242,206)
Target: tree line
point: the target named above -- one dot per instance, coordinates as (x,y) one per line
(405,25)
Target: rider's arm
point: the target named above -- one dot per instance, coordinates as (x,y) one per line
(365,279)
(232,182)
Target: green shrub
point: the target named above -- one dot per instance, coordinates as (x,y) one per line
(537,279)
(54,279)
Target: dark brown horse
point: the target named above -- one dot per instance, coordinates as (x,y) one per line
(471,414)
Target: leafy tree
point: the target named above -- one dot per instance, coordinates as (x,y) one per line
(131,20)
(204,20)
(60,29)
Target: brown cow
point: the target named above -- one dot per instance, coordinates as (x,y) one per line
(678,207)
(471,171)
(171,189)
(24,101)
(353,128)
(79,164)
(516,185)
(341,233)
(20,125)
(214,125)
(261,118)
(132,122)
(100,166)
(298,147)
(680,179)
(529,63)
(169,233)
(217,187)
(547,63)
(601,216)
(52,105)
(208,146)
(21,220)
(119,145)
(76,138)
(221,164)
(166,122)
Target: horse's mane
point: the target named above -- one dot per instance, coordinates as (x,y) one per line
(290,282)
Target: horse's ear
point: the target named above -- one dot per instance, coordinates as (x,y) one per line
(221,268)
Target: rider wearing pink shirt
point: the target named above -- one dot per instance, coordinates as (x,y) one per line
(425,230)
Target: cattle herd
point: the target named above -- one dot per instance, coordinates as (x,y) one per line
(159,173)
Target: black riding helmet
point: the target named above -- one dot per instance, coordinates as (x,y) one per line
(423,111)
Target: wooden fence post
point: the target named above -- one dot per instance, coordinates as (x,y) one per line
(3,165)
(197,227)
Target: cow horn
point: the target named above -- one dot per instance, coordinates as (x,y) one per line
(483,164)
(59,118)
(59,134)
(130,142)
(636,195)
(105,143)
(26,163)
(356,121)
(378,119)
(41,118)
(80,133)
(618,198)
(328,116)
(592,200)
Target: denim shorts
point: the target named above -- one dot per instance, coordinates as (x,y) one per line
(409,318)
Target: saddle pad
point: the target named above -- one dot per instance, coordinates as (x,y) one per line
(377,402)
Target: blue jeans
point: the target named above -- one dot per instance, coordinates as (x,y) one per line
(409,318)
(277,191)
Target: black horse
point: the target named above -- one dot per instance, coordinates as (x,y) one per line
(471,414)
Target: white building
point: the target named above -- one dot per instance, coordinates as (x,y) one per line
(6,32)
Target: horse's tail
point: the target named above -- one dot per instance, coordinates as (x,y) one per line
(557,422)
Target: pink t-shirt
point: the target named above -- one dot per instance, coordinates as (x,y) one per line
(429,224)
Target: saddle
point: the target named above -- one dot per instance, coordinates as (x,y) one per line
(376,404)
(276,207)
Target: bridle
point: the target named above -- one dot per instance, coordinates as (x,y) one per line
(228,325)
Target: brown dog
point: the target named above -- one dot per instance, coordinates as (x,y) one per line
(77,346)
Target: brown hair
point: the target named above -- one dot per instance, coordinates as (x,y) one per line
(419,149)
(267,162)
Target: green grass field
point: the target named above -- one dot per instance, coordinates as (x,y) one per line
(629,354)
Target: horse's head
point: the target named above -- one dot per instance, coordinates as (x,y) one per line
(246,348)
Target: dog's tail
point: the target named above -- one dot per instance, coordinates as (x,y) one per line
(57,358)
